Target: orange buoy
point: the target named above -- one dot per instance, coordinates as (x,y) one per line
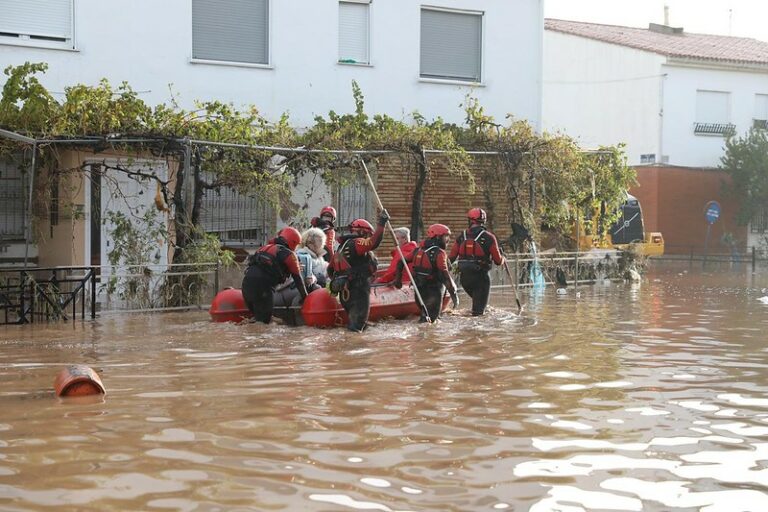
(229,306)
(78,380)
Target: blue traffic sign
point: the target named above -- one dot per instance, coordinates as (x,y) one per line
(712,212)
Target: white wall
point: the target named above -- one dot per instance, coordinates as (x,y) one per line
(148,44)
(683,147)
(602,94)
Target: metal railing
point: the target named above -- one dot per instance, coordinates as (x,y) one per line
(46,294)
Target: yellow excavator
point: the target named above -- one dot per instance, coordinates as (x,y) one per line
(626,233)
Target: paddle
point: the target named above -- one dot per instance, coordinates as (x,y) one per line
(397,247)
(514,285)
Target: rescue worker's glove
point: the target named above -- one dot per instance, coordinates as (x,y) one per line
(325,225)
(454,299)
(398,283)
(383,218)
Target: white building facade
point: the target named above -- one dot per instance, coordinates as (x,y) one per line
(609,91)
(284,56)
(294,56)
(672,98)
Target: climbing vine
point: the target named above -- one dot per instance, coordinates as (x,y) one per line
(545,178)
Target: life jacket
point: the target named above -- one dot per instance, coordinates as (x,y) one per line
(346,261)
(266,258)
(474,249)
(425,263)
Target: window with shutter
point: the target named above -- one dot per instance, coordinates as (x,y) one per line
(713,113)
(354,32)
(231,31)
(46,23)
(451,45)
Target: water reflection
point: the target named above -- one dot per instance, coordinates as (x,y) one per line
(626,397)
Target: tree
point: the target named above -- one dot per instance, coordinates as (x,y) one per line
(746,162)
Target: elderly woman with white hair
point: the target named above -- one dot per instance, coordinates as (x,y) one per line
(313,270)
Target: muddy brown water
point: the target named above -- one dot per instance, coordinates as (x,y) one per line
(649,397)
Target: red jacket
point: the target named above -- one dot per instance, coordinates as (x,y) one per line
(389,274)
(484,249)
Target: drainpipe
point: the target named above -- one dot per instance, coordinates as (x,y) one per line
(28,229)
(661,117)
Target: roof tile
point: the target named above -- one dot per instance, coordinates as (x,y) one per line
(742,50)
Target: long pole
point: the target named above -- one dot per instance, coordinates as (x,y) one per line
(514,286)
(399,251)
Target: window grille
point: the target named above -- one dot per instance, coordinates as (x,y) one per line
(759,222)
(40,20)
(236,219)
(355,202)
(231,30)
(354,32)
(451,45)
(12,202)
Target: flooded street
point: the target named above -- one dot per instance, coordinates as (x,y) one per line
(649,397)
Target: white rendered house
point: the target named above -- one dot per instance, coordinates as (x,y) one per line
(670,96)
(284,56)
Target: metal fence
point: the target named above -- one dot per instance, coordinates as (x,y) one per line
(153,287)
(46,294)
(12,204)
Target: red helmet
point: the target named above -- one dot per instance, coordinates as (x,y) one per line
(328,210)
(361,225)
(291,236)
(438,230)
(477,215)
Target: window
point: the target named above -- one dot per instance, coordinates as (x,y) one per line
(231,31)
(451,44)
(353,32)
(761,111)
(713,113)
(45,23)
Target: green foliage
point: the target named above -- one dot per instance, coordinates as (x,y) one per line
(26,105)
(746,161)
(136,243)
(545,176)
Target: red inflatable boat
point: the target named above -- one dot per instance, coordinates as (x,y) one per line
(320,308)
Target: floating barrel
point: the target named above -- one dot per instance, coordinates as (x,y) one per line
(78,380)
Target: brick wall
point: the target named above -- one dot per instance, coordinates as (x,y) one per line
(674,200)
(446,199)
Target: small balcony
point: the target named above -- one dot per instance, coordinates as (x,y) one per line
(716,129)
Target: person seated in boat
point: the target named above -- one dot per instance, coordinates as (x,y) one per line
(476,249)
(313,270)
(430,272)
(269,266)
(352,266)
(313,248)
(403,237)
(325,222)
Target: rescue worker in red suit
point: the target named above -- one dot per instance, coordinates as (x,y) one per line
(430,272)
(407,246)
(476,249)
(325,222)
(352,267)
(268,267)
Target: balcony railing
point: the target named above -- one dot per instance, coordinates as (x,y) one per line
(721,129)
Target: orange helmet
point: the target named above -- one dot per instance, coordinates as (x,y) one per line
(328,210)
(438,230)
(477,215)
(291,236)
(361,225)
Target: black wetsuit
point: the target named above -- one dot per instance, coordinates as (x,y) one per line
(266,269)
